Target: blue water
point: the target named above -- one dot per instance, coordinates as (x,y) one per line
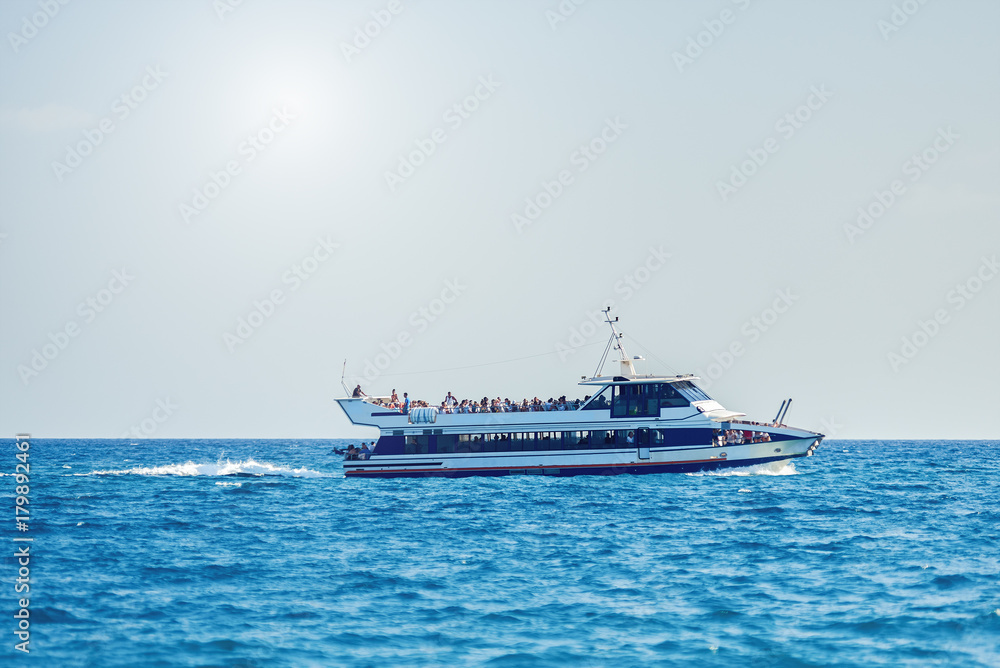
(260,553)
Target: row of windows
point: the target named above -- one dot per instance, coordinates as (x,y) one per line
(546,440)
(645,399)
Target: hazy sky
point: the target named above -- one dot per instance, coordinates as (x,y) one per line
(802,194)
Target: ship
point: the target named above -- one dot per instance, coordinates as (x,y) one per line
(626,423)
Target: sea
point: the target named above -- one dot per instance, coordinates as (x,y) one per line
(261,553)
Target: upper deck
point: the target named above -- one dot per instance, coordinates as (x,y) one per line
(617,398)
(674,398)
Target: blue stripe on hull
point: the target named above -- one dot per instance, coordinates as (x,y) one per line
(617,469)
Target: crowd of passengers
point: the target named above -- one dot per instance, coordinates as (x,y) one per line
(358,453)
(740,436)
(452,405)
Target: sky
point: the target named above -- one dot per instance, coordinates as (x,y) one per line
(211,210)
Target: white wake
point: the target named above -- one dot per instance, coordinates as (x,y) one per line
(769,469)
(248,467)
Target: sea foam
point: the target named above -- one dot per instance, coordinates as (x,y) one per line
(769,469)
(247,467)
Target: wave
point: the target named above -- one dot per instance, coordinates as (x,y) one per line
(769,469)
(248,467)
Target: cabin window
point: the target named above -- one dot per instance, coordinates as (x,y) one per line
(640,400)
(447,443)
(416,445)
(692,391)
(625,437)
(683,436)
(601,402)
(533,441)
(648,399)
(545,441)
(671,398)
(540,441)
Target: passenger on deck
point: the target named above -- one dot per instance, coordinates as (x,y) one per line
(393,399)
(365,452)
(406,403)
(358,393)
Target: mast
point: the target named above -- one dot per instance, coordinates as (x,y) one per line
(343,372)
(627,369)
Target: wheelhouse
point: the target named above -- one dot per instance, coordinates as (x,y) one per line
(645,397)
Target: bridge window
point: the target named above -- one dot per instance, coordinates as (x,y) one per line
(671,398)
(691,391)
(601,402)
(636,400)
